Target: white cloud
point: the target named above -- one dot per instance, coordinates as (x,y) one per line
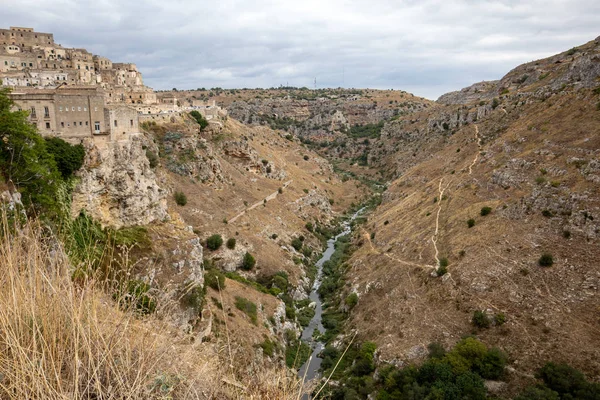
(426,46)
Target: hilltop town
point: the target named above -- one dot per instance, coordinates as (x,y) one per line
(74,94)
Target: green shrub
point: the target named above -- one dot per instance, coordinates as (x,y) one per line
(248,262)
(268,347)
(443,262)
(194,298)
(248,308)
(180,198)
(485,211)
(68,158)
(309,226)
(471,223)
(566,234)
(231,243)
(441,271)
(480,319)
(214,242)
(152,158)
(199,119)
(546,260)
(305,158)
(297,244)
(214,279)
(500,319)
(495,103)
(351,300)
(547,213)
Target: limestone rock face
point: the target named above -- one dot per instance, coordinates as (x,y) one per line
(118,187)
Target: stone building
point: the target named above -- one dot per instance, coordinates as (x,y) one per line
(77,113)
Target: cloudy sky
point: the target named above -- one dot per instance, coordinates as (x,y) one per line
(426,47)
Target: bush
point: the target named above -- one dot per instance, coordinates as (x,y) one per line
(248,262)
(305,158)
(152,158)
(68,158)
(231,243)
(297,244)
(351,300)
(309,226)
(441,271)
(471,223)
(248,308)
(443,262)
(546,260)
(180,198)
(500,319)
(214,279)
(480,319)
(199,119)
(485,211)
(214,242)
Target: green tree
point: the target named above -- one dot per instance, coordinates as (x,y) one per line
(214,242)
(68,158)
(248,262)
(199,119)
(25,162)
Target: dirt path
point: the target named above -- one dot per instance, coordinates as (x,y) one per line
(367,237)
(478,150)
(434,238)
(270,197)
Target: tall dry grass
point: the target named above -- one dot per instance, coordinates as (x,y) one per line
(61,339)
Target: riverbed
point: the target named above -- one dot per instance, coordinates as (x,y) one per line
(310,369)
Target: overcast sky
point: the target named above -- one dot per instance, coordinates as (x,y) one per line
(423,46)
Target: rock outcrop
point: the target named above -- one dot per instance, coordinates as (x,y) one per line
(117,186)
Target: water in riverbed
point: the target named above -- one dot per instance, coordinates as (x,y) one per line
(310,369)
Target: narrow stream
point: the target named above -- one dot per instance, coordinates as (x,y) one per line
(311,367)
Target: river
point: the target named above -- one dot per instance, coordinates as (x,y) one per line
(310,369)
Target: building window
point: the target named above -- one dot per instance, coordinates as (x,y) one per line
(47,125)
(33,112)
(115,122)
(60,109)
(75,123)
(46,112)
(62,124)
(72,108)
(86,123)
(78,108)
(84,108)
(95,108)
(97,126)
(131,122)
(80,123)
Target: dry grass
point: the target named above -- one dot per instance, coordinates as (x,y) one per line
(66,340)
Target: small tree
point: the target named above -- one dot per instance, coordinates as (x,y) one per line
(199,119)
(546,260)
(214,242)
(231,243)
(180,198)
(214,279)
(297,244)
(480,319)
(248,262)
(471,223)
(485,211)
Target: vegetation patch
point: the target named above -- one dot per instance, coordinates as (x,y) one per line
(247,307)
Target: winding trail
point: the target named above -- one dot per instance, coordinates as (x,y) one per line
(478,151)
(434,238)
(270,197)
(367,237)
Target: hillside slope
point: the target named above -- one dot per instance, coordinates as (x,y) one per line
(532,156)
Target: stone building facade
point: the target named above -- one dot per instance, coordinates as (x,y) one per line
(77,113)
